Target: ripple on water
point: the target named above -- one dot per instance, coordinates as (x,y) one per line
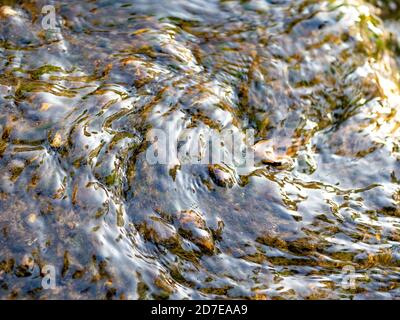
(315,80)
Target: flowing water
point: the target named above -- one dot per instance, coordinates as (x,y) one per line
(317,81)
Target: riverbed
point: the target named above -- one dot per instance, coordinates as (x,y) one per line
(316,215)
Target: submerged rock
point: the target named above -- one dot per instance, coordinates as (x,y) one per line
(192,225)
(264,153)
(6,11)
(158,231)
(221,175)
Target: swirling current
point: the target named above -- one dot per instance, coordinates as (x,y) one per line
(316,81)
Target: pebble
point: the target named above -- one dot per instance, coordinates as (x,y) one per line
(32,218)
(264,153)
(57,141)
(28,262)
(193,226)
(6,11)
(45,106)
(221,176)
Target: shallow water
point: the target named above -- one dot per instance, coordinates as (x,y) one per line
(318,80)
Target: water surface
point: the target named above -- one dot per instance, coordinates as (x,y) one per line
(316,80)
